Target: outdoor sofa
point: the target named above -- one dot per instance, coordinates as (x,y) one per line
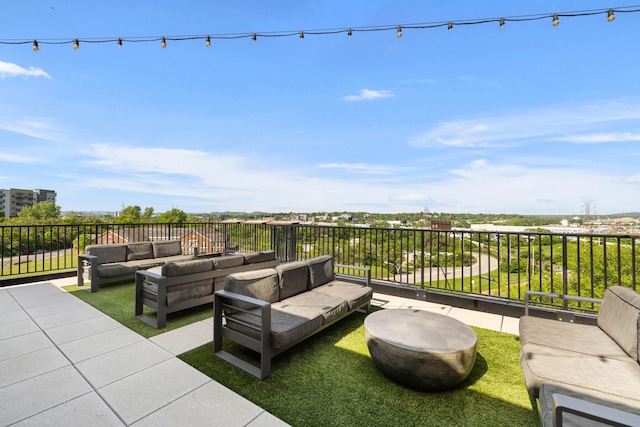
(120,261)
(585,374)
(272,310)
(177,286)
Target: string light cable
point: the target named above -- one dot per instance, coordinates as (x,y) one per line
(399,29)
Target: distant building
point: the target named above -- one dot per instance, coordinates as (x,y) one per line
(440,225)
(14,199)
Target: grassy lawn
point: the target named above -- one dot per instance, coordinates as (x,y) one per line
(330,378)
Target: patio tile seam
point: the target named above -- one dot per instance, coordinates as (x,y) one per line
(50,408)
(75,368)
(172,401)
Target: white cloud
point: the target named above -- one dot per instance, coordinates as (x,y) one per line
(368,95)
(363,168)
(561,122)
(8,69)
(37,128)
(599,138)
(14,158)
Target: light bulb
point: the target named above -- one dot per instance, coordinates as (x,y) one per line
(349,33)
(502,24)
(301,35)
(76,44)
(164,43)
(254,37)
(555,21)
(610,15)
(399,34)
(35,46)
(450,26)
(119,43)
(208,42)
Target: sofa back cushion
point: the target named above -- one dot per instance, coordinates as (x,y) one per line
(254,257)
(174,269)
(227,261)
(618,318)
(166,248)
(261,284)
(293,278)
(320,271)
(108,253)
(139,250)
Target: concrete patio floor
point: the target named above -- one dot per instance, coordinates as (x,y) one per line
(62,362)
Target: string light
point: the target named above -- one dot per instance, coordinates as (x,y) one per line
(610,13)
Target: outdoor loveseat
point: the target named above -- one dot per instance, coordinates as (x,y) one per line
(585,374)
(115,262)
(177,286)
(271,310)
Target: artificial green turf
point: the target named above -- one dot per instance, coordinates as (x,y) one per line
(117,300)
(330,380)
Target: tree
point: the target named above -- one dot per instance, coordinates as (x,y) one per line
(147,216)
(130,214)
(174,216)
(40,212)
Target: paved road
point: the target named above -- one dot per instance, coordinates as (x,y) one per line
(484,265)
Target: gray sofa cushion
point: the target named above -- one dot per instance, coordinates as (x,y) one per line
(293,278)
(187,291)
(320,271)
(355,294)
(261,284)
(116,270)
(108,253)
(139,250)
(254,257)
(146,264)
(618,317)
(166,248)
(173,269)
(287,327)
(227,261)
(329,307)
(587,339)
(543,364)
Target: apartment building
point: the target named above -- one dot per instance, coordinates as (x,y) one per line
(14,199)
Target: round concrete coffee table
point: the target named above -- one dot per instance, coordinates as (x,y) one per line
(420,349)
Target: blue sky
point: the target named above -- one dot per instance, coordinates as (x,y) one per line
(530,119)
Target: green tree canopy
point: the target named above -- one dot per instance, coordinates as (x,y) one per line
(175,215)
(130,214)
(42,211)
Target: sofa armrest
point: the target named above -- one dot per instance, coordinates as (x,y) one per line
(262,345)
(92,262)
(563,404)
(350,268)
(529,294)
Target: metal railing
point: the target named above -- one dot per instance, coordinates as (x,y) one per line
(479,263)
